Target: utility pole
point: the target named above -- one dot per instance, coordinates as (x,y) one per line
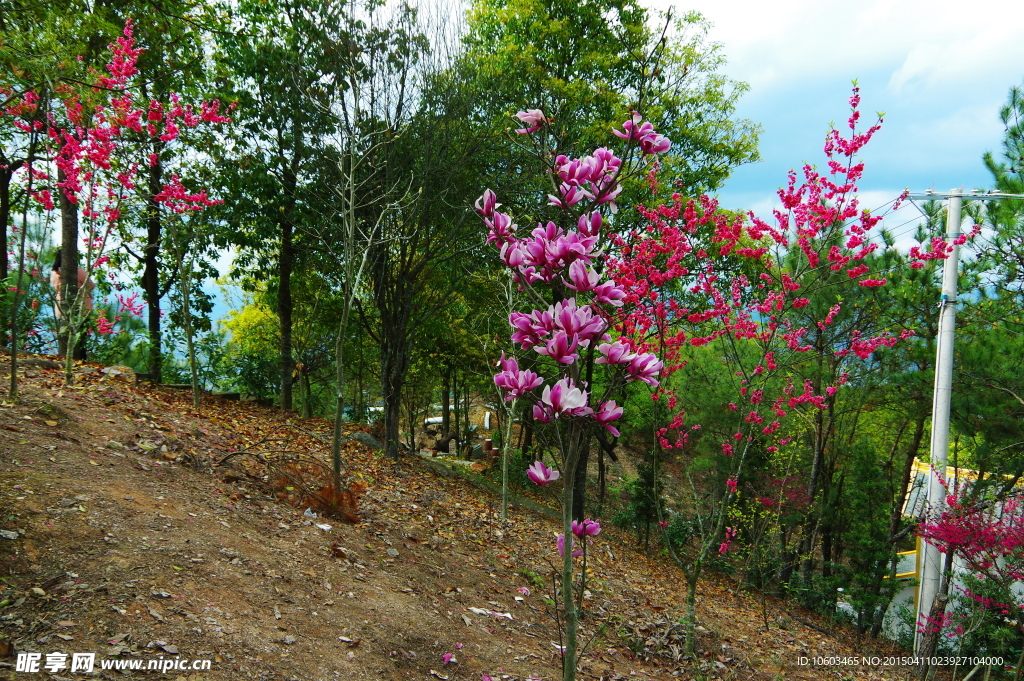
(930,558)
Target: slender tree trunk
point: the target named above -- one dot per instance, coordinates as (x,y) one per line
(339,399)
(68,274)
(307,396)
(456,407)
(284,311)
(579,495)
(446,399)
(185,282)
(506,454)
(5,213)
(812,525)
(826,552)
(392,413)
(6,173)
(394,362)
(151,268)
(570,615)
(929,642)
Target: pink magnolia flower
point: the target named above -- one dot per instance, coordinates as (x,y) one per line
(530,328)
(582,277)
(609,294)
(645,367)
(534,118)
(654,143)
(561,347)
(541,474)
(578,321)
(486,204)
(650,141)
(586,528)
(614,353)
(609,412)
(570,196)
(590,224)
(565,398)
(515,381)
(449,658)
(630,129)
(561,546)
(500,230)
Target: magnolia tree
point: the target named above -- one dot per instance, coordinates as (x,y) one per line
(90,138)
(557,268)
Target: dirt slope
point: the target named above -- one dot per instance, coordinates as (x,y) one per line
(123,537)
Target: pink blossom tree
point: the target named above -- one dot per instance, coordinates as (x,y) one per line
(557,267)
(89,137)
(986,531)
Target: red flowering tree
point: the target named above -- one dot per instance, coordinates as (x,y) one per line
(750,291)
(85,157)
(986,532)
(691,277)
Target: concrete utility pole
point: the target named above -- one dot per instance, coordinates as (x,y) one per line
(931,557)
(930,560)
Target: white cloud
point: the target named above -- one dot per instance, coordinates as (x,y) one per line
(918,41)
(940,70)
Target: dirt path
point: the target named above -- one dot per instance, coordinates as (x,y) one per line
(121,537)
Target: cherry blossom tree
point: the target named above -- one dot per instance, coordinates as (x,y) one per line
(751,292)
(88,138)
(985,531)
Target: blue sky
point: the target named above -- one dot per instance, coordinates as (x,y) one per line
(940,71)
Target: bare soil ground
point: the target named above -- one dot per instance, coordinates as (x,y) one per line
(138,528)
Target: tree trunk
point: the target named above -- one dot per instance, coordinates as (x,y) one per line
(579,494)
(446,399)
(151,268)
(284,311)
(12,393)
(307,396)
(930,641)
(185,280)
(286,263)
(6,172)
(826,552)
(392,414)
(812,526)
(457,408)
(68,269)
